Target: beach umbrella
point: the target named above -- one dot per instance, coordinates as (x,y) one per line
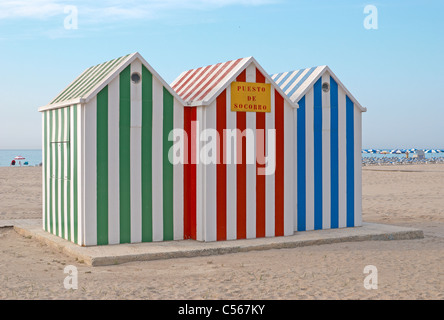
(396,151)
(432,151)
(412,150)
(19,158)
(364,151)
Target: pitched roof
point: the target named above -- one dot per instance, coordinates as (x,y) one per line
(84,83)
(201,86)
(295,84)
(95,78)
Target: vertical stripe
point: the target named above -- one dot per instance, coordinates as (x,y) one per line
(102,166)
(178,193)
(309,170)
(71,174)
(221,168)
(81,172)
(210,171)
(317,126)
(113,163)
(289,167)
(124,155)
(260,178)
(62,171)
(342,159)
(66,174)
(168,122)
(90,193)
(326,197)
(251,165)
(147,141)
(186,174)
(251,175)
(45,170)
(189,176)
(241,177)
(280,185)
(200,177)
(157,161)
(52,146)
(57,172)
(358,166)
(270,180)
(301,159)
(136,155)
(231,156)
(334,154)
(75,144)
(295,170)
(350,163)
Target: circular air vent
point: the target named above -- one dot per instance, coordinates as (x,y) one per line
(325,87)
(135,77)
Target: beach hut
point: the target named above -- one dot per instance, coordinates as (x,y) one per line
(107,178)
(328,149)
(235,198)
(222,153)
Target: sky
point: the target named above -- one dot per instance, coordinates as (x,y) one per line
(389,58)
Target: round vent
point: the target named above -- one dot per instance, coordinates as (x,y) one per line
(325,87)
(135,77)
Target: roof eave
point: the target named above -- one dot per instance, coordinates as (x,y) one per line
(62,104)
(325,69)
(345,89)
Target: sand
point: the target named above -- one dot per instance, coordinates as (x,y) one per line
(410,269)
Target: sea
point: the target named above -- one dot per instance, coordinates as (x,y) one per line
(401,155)
(34,157)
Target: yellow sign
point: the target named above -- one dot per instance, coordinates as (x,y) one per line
(251,97)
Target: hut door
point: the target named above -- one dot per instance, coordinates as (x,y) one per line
(60,145)
(61,160)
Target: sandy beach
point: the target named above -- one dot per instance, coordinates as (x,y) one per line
(409,195)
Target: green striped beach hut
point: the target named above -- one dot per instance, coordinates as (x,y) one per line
(106,174)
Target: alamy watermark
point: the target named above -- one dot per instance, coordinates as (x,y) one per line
(72,20)
(208,149)
(371,20)
(71,281)
(371,281)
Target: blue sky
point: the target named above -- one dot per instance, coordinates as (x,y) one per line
(396,71)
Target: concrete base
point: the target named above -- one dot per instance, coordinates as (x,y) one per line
(121,253)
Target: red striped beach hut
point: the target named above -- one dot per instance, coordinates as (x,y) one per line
(232,198)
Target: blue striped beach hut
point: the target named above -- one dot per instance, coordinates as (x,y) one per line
(328,136)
